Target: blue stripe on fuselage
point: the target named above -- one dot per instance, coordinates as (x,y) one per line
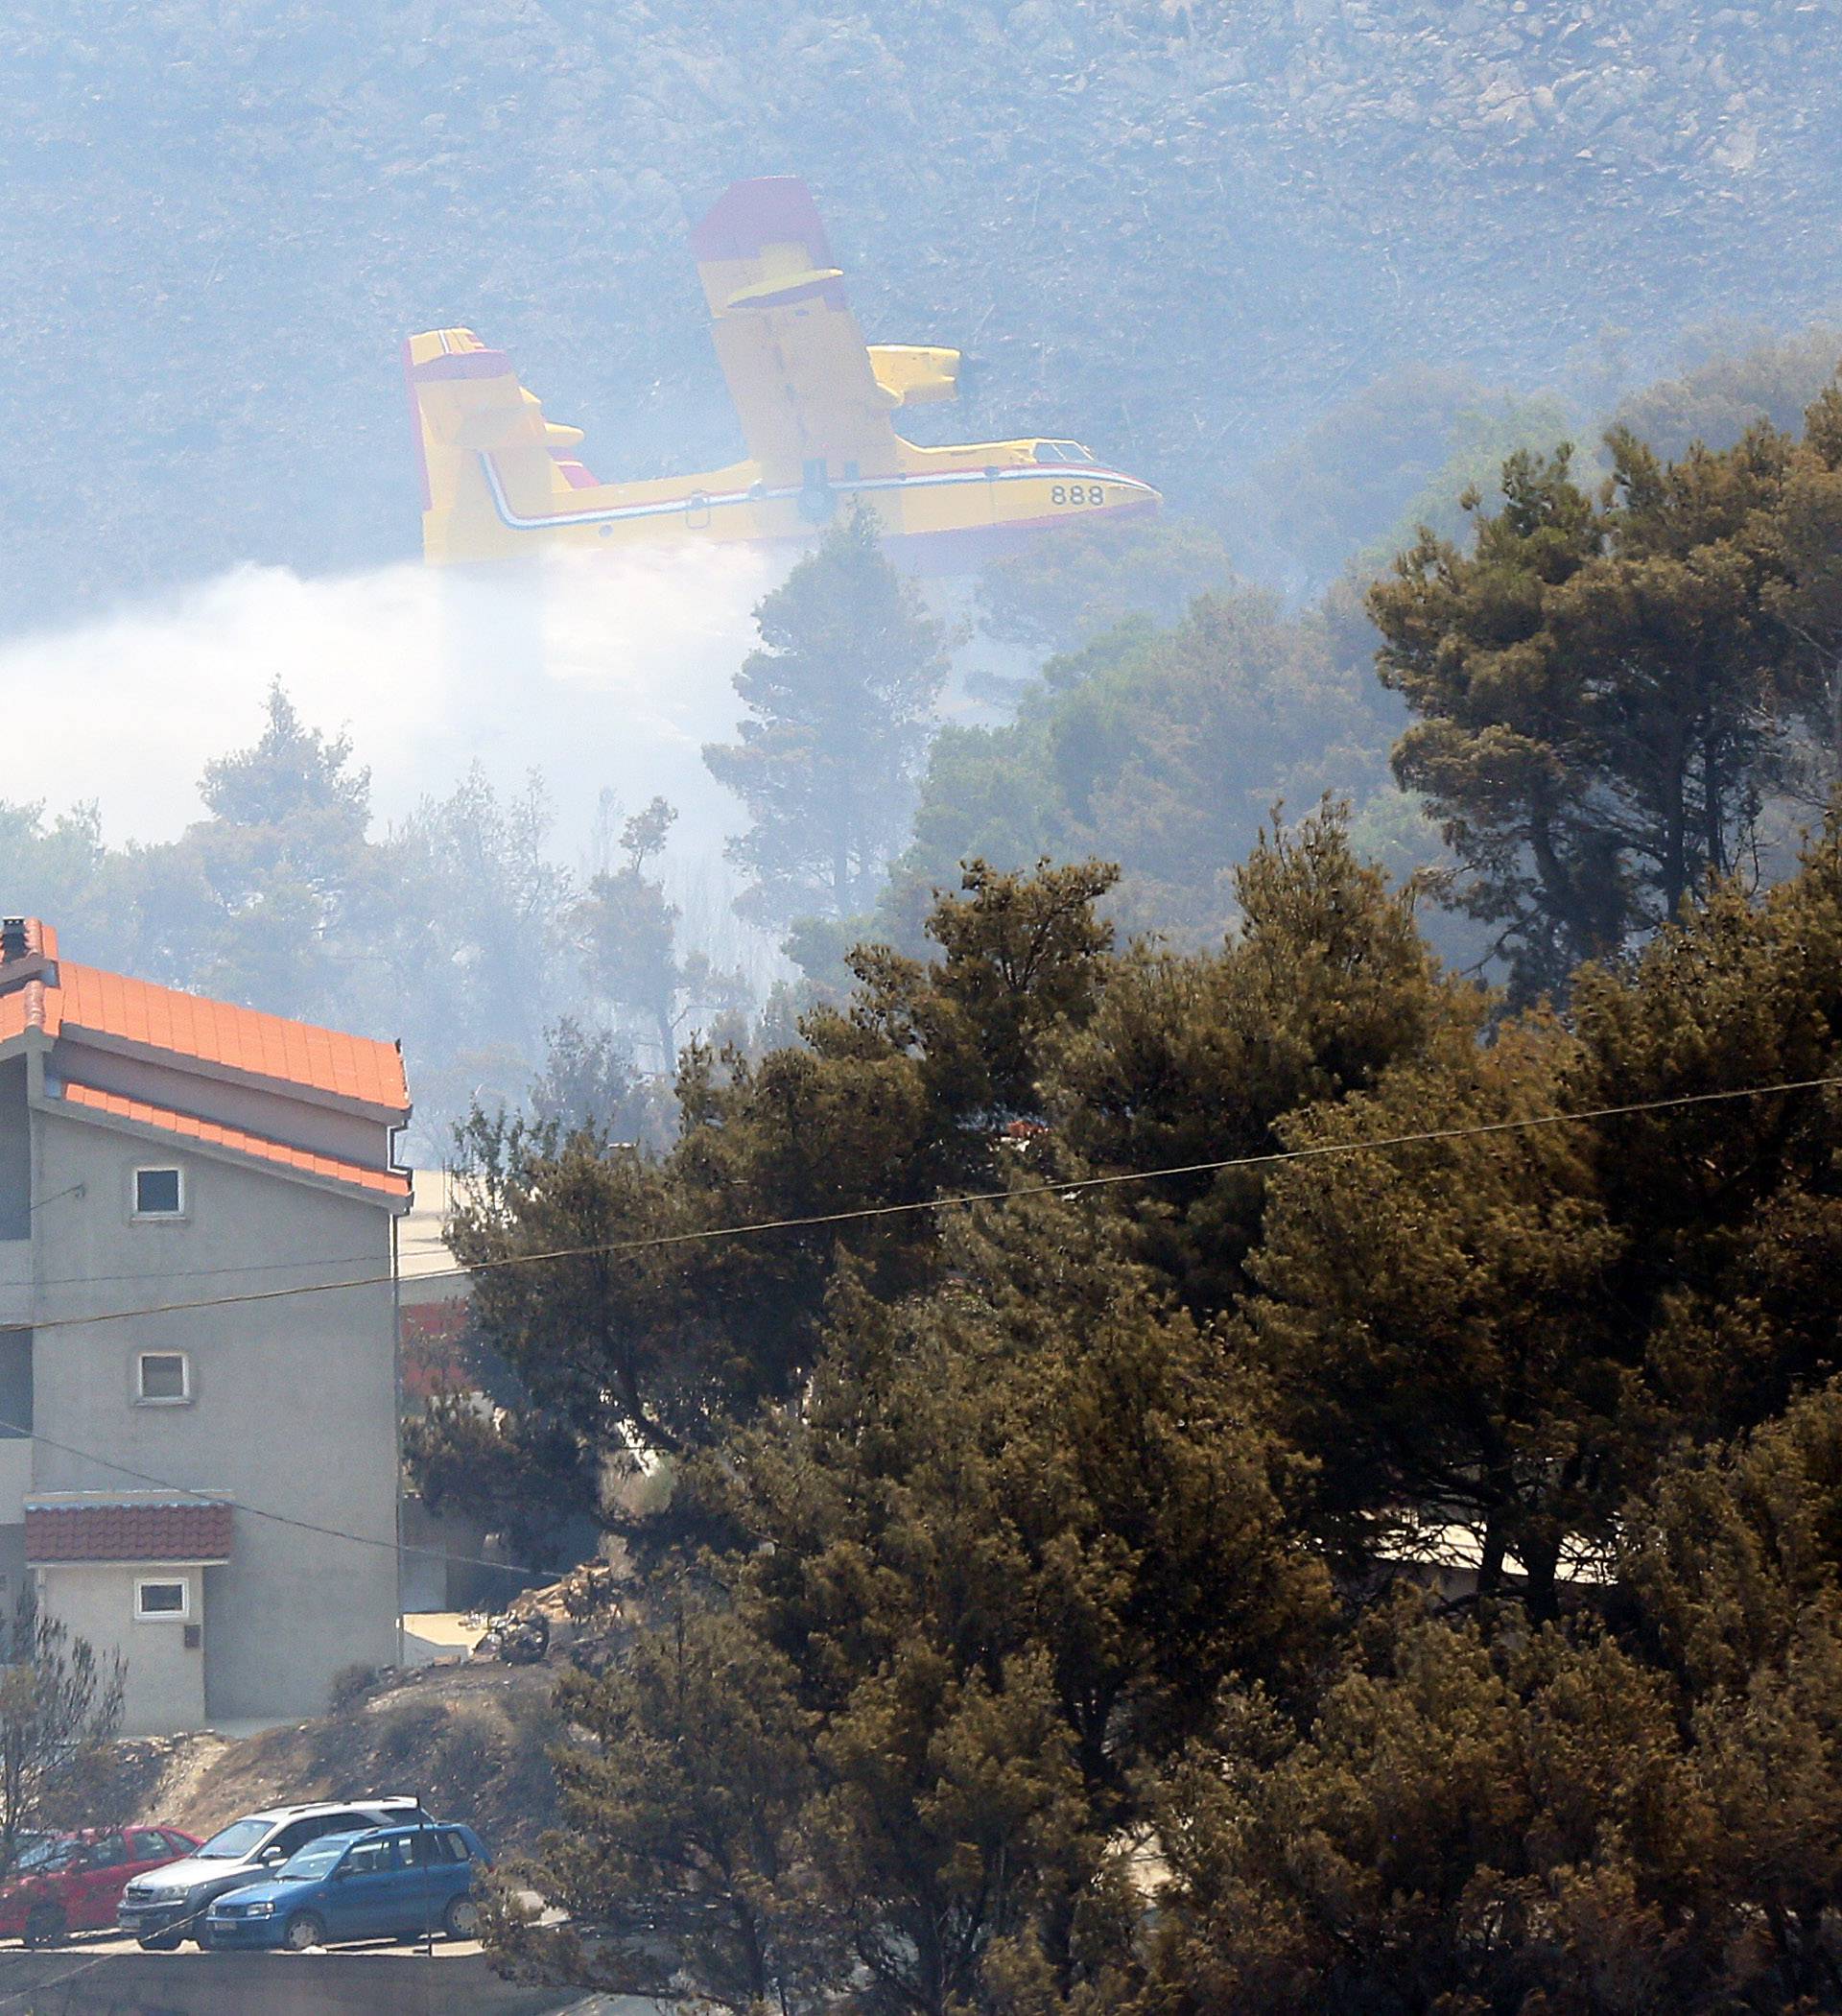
(1051,472)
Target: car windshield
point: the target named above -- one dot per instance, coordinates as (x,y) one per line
(39,1853)
(235,1842)
(307,1865)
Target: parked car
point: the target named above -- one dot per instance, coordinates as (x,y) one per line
(170,1906)
(73,1881)
(33,1845)
(388,1882)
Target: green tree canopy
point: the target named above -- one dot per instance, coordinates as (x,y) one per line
(1633,1818)
(1406,1575)
(1601,685)
(630,931)
(1506,1331)
(1000,1560)
(1162,751)
(1190,1060)
(659,1327)
(840,703)
(1741,377)
(1058,594)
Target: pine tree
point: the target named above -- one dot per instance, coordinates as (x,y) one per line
(267,899)
(1627,1813)
(840,699)
(1190,1060)
(1508,1329)
(1597,684)
(685,1801)
(1436,1321)
(1805,533)
(997,1564)
(630,931)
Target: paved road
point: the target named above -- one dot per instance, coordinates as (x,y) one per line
(105,1975)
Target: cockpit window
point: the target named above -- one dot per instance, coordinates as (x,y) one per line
(1061,451)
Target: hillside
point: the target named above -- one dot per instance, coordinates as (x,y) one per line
(470,1740)
(1186,232)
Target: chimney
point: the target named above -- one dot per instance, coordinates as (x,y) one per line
(12,939)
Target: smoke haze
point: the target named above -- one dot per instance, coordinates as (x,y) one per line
(601,674)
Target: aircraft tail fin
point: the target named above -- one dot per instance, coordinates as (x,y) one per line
(486,451)
(791,349)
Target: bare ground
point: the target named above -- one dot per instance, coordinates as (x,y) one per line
(469,1738)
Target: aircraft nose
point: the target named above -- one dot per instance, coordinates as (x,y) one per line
(1141,499)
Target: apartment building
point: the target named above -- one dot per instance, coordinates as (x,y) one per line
(198,1360)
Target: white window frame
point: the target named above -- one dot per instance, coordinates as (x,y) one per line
(154,1217)
(143,1398)
(181,1582)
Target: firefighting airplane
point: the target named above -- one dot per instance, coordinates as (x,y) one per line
(815,403)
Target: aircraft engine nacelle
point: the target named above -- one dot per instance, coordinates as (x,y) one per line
(914,374)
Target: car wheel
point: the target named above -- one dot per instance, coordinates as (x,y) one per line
(159,1942)
(303,1931)
(44,1925)
(462,1918)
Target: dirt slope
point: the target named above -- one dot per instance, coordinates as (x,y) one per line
(470,1740)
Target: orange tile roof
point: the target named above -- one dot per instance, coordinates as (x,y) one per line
(266,1046)
(242,1039)
(387,1182)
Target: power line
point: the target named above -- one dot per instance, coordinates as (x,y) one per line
(208,1273)
(861,1213)
(257,1511)
(1419,1137)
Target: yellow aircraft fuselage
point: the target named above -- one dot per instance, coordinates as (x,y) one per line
(498,480)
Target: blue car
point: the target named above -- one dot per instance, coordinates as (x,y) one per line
(385,1882)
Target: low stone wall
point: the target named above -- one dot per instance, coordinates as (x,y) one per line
(275,1984)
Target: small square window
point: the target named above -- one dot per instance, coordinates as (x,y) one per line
(164,1378)
(161,1599)
(159,1192)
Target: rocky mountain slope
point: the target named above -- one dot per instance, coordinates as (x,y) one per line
(1181,231)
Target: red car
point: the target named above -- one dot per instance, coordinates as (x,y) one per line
(73,1881)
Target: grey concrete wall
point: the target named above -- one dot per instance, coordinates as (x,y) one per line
(274,1115)
(294,1408)
(72,1984)
(164,1682)
(12,1566)
(15,1153)
(16,1380)
(16,1479)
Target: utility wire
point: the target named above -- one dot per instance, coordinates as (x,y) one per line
(211,1273)
(860,1214)
(748,1228)
(257,1511)
(1297,1154)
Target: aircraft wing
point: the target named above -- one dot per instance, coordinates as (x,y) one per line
(787,342)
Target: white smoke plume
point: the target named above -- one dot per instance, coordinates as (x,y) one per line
(601,673)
